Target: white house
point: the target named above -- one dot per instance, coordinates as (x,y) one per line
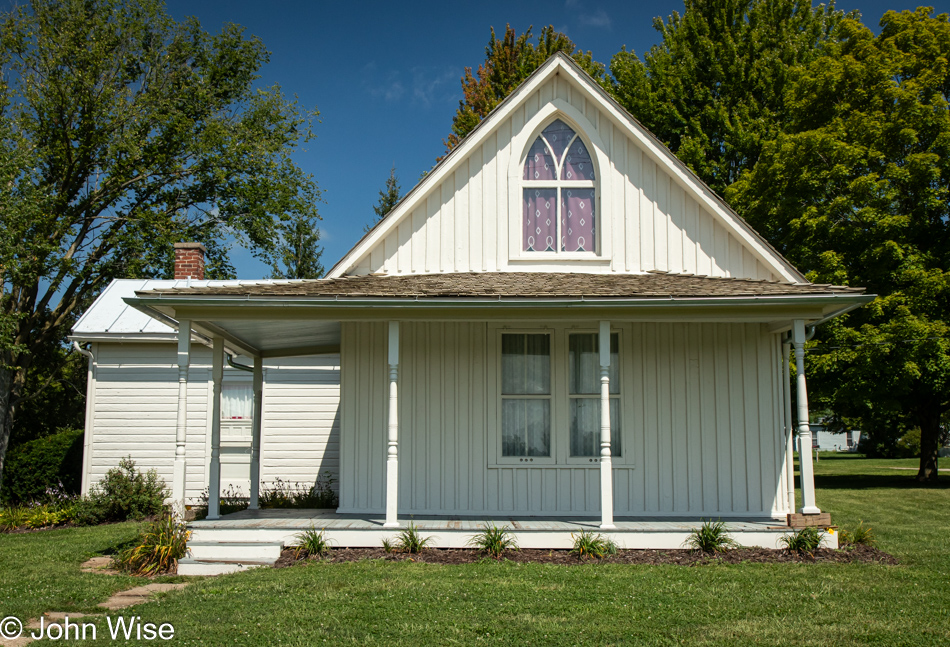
(559,327)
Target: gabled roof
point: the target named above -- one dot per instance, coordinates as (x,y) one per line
(662,155)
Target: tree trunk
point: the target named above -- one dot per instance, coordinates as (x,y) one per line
(929,446)
(6,418)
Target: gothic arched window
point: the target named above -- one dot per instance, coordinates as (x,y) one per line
(559,193)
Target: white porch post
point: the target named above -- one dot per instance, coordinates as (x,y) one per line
(178,473)
(392,464)
(606,464)
(789,430)
(256,423)
(804,430)
(214,469)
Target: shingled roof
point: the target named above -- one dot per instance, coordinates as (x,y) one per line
(513,285)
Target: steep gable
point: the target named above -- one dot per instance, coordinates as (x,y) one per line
(653,214)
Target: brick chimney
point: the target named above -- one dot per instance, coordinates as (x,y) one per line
(190,261)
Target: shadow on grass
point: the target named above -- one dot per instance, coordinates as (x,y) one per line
(904,481)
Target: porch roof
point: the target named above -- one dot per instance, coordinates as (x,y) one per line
(511,285)
(303,317)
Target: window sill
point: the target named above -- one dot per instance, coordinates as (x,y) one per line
(566,259)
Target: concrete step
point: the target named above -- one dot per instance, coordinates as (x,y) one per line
(234,550)
(189,566)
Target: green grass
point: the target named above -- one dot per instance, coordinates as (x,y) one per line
(378,603)
(40,571)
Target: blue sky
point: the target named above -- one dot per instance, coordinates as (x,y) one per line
(385,78)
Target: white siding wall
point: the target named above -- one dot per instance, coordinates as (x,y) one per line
(701,417)
(135,408)
(463,224)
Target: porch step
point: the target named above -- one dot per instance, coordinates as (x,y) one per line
(189,566)
(236,551)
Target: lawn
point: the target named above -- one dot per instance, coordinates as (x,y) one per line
(503,603)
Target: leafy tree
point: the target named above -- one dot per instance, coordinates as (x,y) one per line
(388,199)
(508,62)
(122,132)
(713,89)
(856,193)
(298,251)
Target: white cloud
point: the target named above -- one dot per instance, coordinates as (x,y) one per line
(597,19)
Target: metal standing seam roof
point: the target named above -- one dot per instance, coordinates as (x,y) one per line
(513,285)
(110,314)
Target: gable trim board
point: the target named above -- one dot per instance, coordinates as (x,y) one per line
(419,198)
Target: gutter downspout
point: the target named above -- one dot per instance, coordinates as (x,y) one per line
(240,367)
(87,427)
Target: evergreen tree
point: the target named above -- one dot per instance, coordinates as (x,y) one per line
(388,198)
(298,252)
(508,62)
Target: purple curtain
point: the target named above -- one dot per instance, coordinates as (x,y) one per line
(539,165)
(577,163)
(540,220)
(577,220)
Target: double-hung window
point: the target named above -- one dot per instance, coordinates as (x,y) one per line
(584,393)
(558,206)
(526,395)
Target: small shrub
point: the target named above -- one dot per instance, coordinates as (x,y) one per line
(805,541)
(157,550)
(860,535)
(42,516)
(494,541)
(410,541)
(86,512)
(281,494)
(13,517)
(389,546)
(711,537)
(588,544)
(312,542)
(125,493)
(30,469)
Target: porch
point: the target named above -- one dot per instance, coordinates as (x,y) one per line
(254,538)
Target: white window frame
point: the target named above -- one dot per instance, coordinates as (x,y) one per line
(559,108)
(560,399)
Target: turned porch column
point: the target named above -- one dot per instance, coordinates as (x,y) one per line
(606,464)
(392,448)
(214,468)
(789,429)
(256,422)
(804,429)
(181,428)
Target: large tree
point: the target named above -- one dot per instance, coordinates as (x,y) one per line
(122,132)
(508,62)
(856,193)
(713,89)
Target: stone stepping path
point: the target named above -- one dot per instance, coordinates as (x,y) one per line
(120,600)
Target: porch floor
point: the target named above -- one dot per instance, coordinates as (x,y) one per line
(295,519)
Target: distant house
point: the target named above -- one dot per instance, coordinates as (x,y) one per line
(559,327)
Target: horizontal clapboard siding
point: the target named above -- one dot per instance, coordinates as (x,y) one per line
(702,425)
(463,224)
(135,411)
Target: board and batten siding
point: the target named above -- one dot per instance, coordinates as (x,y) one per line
(701,418)
(464,223)
(134,413)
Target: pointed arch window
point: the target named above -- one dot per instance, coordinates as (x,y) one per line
(559,201)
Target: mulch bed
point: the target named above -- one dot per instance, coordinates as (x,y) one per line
(847,554)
